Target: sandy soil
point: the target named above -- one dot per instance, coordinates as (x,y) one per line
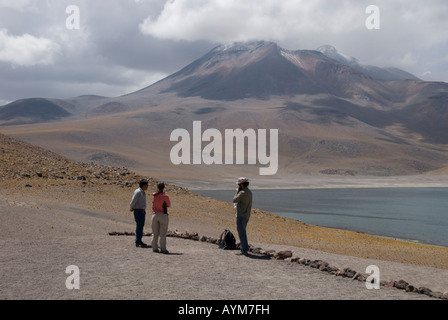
(41,237)
(56,212)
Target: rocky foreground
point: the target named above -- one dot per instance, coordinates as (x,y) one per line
(44,196)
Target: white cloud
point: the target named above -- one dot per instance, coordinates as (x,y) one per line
(140,79)
(406,26)
(234,20)
(14,4)
(26,50)
(110,56)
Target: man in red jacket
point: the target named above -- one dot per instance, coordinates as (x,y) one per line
(159,222)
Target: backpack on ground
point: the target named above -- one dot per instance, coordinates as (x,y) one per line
(227,241)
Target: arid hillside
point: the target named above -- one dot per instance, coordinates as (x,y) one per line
(334,118)
(35,180)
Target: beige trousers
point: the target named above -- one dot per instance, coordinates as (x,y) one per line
(159,224)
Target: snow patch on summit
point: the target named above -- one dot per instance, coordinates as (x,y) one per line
(292,57)
(333,53)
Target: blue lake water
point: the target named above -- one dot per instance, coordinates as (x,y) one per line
(419,214)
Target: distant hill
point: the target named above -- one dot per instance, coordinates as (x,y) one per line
(32,110)
(23,161)
(262,70)
(335,116)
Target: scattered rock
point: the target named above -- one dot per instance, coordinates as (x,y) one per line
(363,277)
(314,264)
(356,276)
(332,269)
(256,250)
(270,253)
(383,283)
(411,288)
(401,284)
(390,284)
(339,273)
(437,295)
(349,273)
(282,255)
(323,266)
(317,264)
(424,290)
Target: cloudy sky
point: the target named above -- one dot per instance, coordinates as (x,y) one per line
(124,45)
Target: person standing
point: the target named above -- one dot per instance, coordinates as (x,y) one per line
(243,207)
(159,222)
(138,206)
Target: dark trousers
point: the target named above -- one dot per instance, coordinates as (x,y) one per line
(241,225)
(139,216)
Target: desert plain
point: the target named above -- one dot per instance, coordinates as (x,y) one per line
(56,213)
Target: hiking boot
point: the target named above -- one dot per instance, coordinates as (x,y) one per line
(164,251)
(142,245)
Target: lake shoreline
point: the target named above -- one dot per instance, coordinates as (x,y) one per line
(413,215)
(301,182)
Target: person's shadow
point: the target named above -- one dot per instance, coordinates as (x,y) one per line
(147,246)
(173,254)
(253,256)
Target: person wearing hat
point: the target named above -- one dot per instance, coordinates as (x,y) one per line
(138,206)
(159,222)
(243,206)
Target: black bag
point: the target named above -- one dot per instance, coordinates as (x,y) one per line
(227,241)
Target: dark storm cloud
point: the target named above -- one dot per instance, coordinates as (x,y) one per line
(125,45)
(108,55)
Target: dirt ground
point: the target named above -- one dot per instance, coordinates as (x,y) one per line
(37,245)
(56,213)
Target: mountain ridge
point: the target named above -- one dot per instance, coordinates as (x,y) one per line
(263,59)
(333,119)
(377,73)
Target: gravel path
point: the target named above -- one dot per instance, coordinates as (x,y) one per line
(36,247)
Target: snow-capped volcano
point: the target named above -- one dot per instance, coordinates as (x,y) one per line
(262,69)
